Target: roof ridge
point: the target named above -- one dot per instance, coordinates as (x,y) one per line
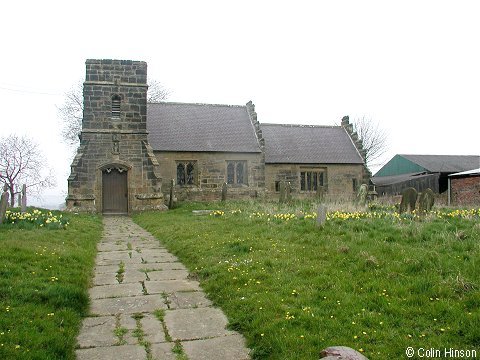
(300,125)
(196,104)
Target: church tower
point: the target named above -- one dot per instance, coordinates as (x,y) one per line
(114,170)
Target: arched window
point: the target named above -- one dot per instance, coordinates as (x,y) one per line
(116,100)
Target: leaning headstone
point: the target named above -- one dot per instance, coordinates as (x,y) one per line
(426,201)
(172,190)
(341,353)
(321,215)
(23,203)
(288,191)
(409,199)
(3,204)
(282,192)
(224,192)
(362,194)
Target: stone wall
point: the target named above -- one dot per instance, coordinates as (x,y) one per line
(338,181)
(211,173)
(465,190)
(114,139)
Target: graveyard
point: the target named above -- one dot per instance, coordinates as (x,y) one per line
(367,277)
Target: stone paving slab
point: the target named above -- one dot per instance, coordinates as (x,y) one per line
(111,247)
(191,324)
(97,331)
(153,327)
(158,266)
(117,290)
(127,305)
(124,352)
(159,259)
(133,276)
(118,311)
(187,300)
(220,348)
(105,279)
(106,269)
(168,275)
(170,286)
(163,351)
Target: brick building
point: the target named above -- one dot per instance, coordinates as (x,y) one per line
(464,188)
(130,150)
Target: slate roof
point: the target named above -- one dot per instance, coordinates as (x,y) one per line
(305,144)
(445,163)
(200,127)
(395,179)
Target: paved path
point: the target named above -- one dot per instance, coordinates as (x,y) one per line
(144,306)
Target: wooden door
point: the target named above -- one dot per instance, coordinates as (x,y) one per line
(115,192)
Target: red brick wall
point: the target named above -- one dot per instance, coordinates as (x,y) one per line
(466,191)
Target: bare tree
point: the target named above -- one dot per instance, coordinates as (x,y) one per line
(71,114)
(157,92)
(374,139)
(21,162)
(71,111)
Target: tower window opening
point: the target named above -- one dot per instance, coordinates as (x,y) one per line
(116,106)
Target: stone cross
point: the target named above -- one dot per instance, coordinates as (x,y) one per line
(224,191)
(321,214)
(288,191)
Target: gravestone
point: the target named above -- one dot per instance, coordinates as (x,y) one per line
(172,190)
(321,214)
(3,203)
(282,192)
(426,201)
(288,191)
(362,194)
(224,191)
(23,203)
(409,199)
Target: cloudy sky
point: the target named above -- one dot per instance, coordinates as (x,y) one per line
(411,66)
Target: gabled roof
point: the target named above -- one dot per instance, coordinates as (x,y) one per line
(305,144)
(200,127)
(445,163)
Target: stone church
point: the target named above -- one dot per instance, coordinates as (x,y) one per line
(130,150)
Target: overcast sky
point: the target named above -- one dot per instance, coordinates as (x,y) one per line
(412,66)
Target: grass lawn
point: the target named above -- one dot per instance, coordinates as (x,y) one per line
(44,277)
(377,284)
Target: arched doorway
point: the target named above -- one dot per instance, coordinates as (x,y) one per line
(114,191)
